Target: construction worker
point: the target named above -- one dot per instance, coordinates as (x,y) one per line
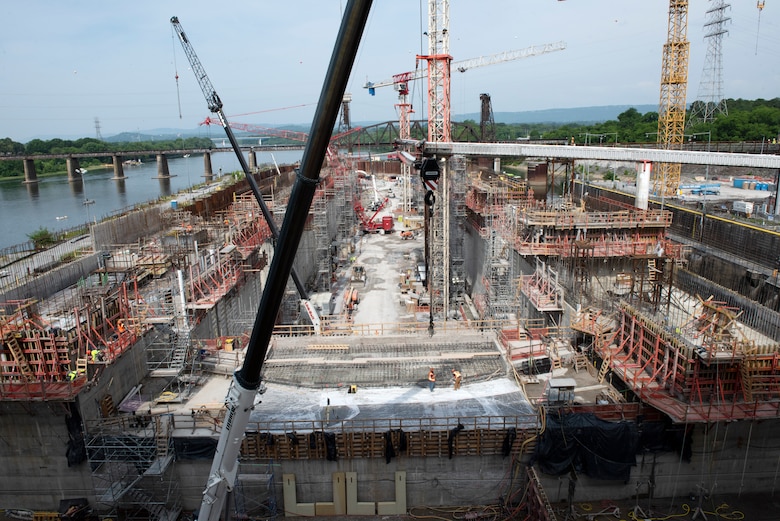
(431,379)
(95,353)
(456,377)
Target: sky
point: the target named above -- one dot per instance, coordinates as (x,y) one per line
(66,64)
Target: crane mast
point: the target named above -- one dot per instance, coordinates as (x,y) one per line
(438,58)
(246,381)
(215,105)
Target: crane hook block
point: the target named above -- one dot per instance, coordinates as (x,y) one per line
(430,172)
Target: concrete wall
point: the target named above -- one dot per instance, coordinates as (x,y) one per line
(49,283)
(430,481)
(127,228)
(34,438)
(35,472)
(736,457)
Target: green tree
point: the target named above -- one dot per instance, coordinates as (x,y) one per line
(42,238)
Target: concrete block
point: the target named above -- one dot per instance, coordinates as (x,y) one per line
(355,507)
(325,508)
(340,493)
(291,506)
(397,507)
(337,507)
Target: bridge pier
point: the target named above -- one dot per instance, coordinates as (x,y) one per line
(162,167)
(208,174)
(252,160)
(72,166)
(29,172)
(119,171)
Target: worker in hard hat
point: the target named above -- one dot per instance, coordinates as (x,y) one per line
(456,377)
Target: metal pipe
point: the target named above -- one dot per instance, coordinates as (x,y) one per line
(342,59)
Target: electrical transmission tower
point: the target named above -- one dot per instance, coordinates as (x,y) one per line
(98,135)
(710,101)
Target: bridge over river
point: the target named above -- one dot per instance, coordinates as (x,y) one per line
(466,141)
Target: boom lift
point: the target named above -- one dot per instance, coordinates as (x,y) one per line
(246,381)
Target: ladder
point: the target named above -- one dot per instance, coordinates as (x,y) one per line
(162,435)
(21,360)
(604,367)
(580,361)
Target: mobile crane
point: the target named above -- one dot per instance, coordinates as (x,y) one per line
(215,105)
(240,400)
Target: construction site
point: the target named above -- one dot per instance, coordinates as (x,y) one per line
(610,351)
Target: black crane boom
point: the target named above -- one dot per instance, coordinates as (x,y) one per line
(246,381)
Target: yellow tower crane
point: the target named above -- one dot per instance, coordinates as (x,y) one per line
(674,83)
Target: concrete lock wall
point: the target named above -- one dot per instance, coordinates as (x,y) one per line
(736,457)
(732,457)
(33,458)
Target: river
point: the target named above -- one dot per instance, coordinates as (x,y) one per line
(55,203)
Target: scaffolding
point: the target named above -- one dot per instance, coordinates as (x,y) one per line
(131,460)
(439,255)
(254,492)
(499,277)
(457,222)
(36,359)
(542,291)
(324,273)
(703,371)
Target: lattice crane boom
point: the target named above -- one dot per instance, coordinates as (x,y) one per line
(215,105)
(212,99)
(464,65)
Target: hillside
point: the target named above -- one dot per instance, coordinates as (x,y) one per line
(569,115)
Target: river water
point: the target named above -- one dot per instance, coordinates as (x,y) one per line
(55,203)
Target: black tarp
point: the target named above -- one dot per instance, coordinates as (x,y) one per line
(451,438)
(594,447)
(389,450)
(194,448)
(76,450)
(331,452)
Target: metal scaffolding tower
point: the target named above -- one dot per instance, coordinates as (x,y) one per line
(499,270)
(710,101)
(457,203)
(130,458)
(674,84)
(254,493)
(322,241)
(344,183)
(439,236)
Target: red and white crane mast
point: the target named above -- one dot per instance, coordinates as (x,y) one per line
(439,60)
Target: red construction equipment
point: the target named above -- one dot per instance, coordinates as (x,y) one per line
(369,226)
